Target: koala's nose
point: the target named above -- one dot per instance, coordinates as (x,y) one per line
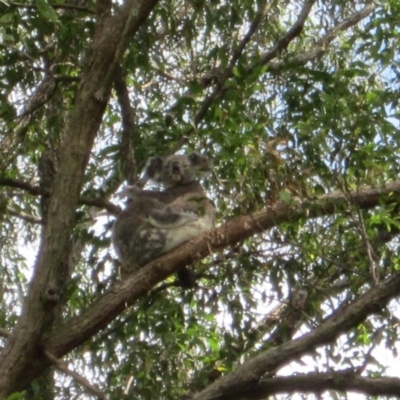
(176,167)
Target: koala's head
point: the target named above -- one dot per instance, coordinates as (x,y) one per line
(176,169)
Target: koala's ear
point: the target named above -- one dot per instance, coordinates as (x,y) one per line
(154,168)
(199,161)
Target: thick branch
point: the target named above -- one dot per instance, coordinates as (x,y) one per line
(103,311)
(317,383)
(344,318)
(15,183)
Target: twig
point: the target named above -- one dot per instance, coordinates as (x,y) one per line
(291,34)
(229,69)
(62,366)
(167,75)
(64,78)
(358,220)
(36,191)
(321,45)
(25,217)
(100,203)
(55,6)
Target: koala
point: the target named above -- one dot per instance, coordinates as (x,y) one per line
(155,222)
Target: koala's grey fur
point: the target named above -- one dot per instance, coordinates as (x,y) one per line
(156,222)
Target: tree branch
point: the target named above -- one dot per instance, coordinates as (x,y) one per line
(15,183)
(42,94)
(63,367)
(4,333)
(25,217)
(122,294)
(321,45)
(343,319)
(55,6)
(229,69)
(290,35)
(347,380)
(129,168)
(37,191)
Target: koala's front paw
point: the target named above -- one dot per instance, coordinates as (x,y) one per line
(190,216)
(129,191)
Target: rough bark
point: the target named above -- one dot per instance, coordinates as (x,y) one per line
(45,292)
(346,380)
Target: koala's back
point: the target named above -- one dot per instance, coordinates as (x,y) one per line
(137,241)
(133,241)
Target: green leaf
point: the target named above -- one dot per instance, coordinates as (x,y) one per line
(47,11)
(6,18)
(285,196)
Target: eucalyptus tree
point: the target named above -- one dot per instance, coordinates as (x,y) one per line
(297,288)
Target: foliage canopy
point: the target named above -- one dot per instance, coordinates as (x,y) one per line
(296,103)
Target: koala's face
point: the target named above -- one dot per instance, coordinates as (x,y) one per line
(177,169)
